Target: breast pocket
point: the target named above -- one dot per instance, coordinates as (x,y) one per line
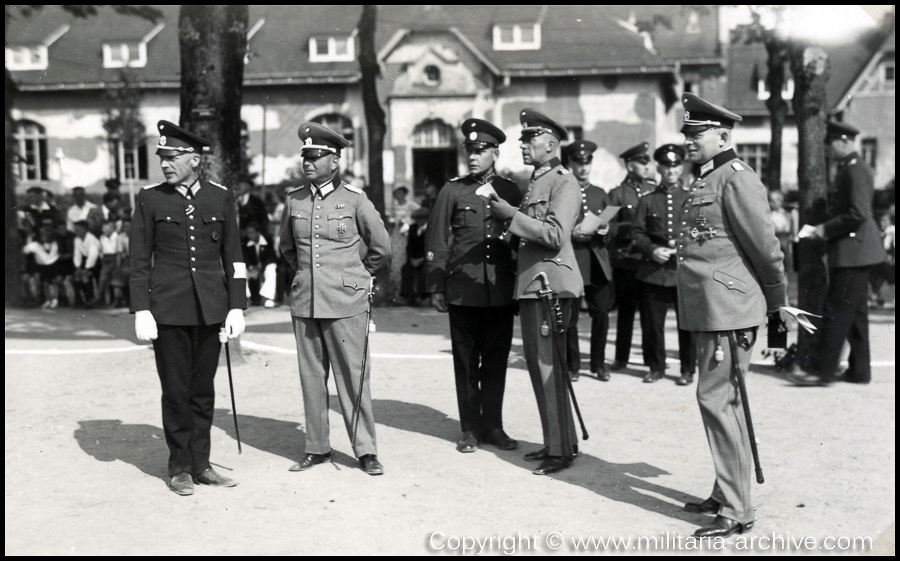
(214,224)
(168,227)
(341,225)
(706,206)
(300,225)
(463,215)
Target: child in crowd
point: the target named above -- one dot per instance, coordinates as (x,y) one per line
(46,254)
(109,251)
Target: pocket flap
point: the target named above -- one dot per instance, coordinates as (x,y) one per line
(558,262)
(172,218)
(730,282)
(357,283)
(214,217)
(704,200)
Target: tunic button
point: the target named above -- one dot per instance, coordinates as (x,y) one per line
(629,206)
(317,235)
(467,208)
(487,256)
(193,249)
(585,207)
(488,207)
(318,207)
(168,218)
(558,260)
(192,217)
(192,237)
(670,228)
(192,227)
(317,246)
(730,283)
(318,265)
(670,222)
(317,255)
(193,269)
(193,258)
(488,235)
(680,247)
(488,246)
(214,218)
(852,234)
(680,259)
(317,217)
(317,226)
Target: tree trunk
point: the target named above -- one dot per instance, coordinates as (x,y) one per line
(809,66)
(213,42)
(375,126)
(777,107)
(13,262)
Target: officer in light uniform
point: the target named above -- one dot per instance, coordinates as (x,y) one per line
(187,277)
(730,274)
(655,234)
(543,224)
(592,253)
(854,248)
(323,224)
(470,273)
(626,258)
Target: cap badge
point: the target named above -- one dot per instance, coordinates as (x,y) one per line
(525,124)
(687,115)
(473,135)
(162,140)
(429,256)
(308,141)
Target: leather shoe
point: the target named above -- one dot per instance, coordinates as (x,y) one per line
(210,477)
(311,460)
(468,443)
(371,465)
(848,377)
(499,438)
(574,375)
(722,528)
(182,484)
(618,365)
(802,378)
(552,464)
(652,377)
(537,455)
(709,506)
(602,375)
(686,379)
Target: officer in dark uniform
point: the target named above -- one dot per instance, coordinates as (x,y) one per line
(655,234)
(626,258)
(592,254)
(854,248)
(543,224)
(470,273)
(187,278)
(730,275)
(324,225)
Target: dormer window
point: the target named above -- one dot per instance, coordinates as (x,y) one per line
(517,36)
(332,49)
(32,57)
(762,90)
(432,75)
(120,55)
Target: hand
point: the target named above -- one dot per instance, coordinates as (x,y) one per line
(145,326)
(234,323)
(439,302)
(809,231)
(501,209)
(603,230)
(662,254)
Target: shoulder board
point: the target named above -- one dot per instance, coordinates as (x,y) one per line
(562,171)
(219,185)
(352,189)
(650,181)
(460,178)
(736,166)
(295,189)
(151,186)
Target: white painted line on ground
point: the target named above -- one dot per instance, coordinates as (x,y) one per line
(281,350)
(75,351)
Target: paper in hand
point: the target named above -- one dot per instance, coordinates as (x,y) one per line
(486,191)
(807,231)
(593,222)
(802,317)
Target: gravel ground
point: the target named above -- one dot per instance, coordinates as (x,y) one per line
(85,455)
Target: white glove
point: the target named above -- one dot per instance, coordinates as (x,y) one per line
(145,326)
(234,323)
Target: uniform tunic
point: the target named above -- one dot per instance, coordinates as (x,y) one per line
(655,226)
(471,263)
(321,233)
(626,260)
(544,226)
(730,273)
(854,247)
(594,262)
(188,271)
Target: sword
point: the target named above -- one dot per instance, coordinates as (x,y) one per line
(553,311)
(739,373)
(357,409)
(223,338)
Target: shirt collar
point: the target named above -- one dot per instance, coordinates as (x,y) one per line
(717,161)
(194,188)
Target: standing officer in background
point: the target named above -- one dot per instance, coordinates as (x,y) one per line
(854,248)
(323,224)
(470,273)
(655,233)
(592,255)
(626,258)
(730,275)
(543,225)
(187,277)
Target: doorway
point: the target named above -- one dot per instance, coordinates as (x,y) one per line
(434,157)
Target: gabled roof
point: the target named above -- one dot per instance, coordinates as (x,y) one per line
(574,40)
(748,63)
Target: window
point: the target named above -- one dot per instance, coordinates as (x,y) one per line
(332,49)
(762,89)
(693,23)
(869,151)
(134,160)
(26,58)
(517,36)
(31,139)
(757,155)
(432,75)
(887,75)
(120,55)
(434,133)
